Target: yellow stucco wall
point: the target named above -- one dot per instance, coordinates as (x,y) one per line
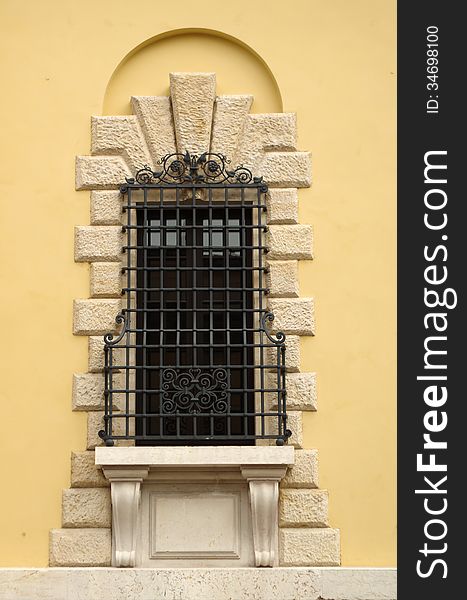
(333,63)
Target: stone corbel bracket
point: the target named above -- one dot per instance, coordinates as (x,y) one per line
(127,467)
(125,486)
(263,487)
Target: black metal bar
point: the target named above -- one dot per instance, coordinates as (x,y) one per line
(144,291)
(128,335)
(178,297)
(161,297)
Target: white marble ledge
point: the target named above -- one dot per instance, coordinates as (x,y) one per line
(172,457)
(306,583)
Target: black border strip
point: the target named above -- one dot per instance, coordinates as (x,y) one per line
(444,250)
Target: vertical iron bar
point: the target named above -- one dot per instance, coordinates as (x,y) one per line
(162,240)
(284,393)
(245,352)
(107,391)
(260,303)
(146,244)
(178,237)
(211,287)
(195,254)
(226,238)
(128,316)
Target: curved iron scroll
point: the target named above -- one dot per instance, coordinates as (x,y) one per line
(279,338)
(109,339)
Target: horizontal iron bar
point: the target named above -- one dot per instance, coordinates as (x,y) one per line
(195,289)
(209,248)
(174,346)
(233,391)
(190,185)
(156,204)
(199,330)
(191,437)
(207,228)
(165,310)
(239,367)
(204,269)
(200,415)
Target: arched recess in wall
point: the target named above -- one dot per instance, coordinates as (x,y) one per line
(239,69)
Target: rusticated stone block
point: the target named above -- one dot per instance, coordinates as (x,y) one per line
(301,391)
(282,205)
(96,423)
(98,243)
(309,547)
(304,473)
(120,135)
(95,316)
(264,133)
(192,97)
(282,279)
(274,131)
(88,391)
(100,172)
(303,508)
(106,280)
(286,169)
(230,113)
(106,208)
(80,548)
(294,315)
(295,424)
(84,472)
(154,114)
(292,354)
(289,242)
(83,507)
(96,355)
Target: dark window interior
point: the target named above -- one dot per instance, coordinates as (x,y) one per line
(195,324)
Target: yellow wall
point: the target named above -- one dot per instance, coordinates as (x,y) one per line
(334,63)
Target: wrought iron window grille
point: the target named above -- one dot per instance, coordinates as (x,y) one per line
(194,361)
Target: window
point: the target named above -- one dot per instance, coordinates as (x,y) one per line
(195,362)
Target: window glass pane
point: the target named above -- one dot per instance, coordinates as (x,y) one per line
(154,236)
(170,234)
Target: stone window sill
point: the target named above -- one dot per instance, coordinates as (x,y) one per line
(262,467)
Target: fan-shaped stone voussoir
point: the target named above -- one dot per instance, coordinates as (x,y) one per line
(193,119)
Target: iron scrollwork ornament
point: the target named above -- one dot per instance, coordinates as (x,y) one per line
(194,391)
(208,168)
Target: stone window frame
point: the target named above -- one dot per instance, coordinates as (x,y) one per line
(193,119)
